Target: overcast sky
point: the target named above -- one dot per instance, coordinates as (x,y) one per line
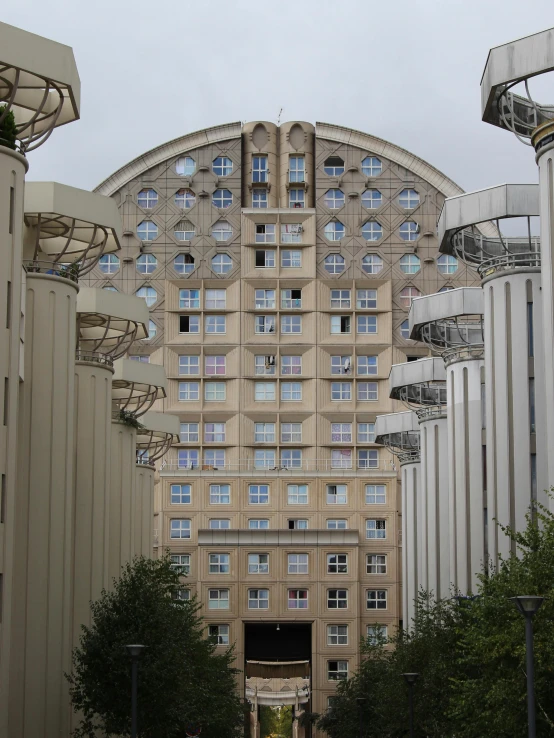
(405,70)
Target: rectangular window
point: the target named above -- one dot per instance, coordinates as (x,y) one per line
(297,494)
(376,529)
(341,432)
(264,391)
(377,634)
(265,233)
(291,458)
(298,524)
(340,323)
(264,299)
(216,323)
(340,298)
(215,391)
(530,330)
(376,564)
(337,494)
(291,233)
(366,299)
(296,169)
(187,458)
(337,599)
(337,635)
(258,524)
(189,324)
(265,259)
(376,599)
(189,365)
(297,563)
(189,299)
(367,324)
(291,365)
(189,433)
(337,670)
(368,458)
(180,494)
(220,494)
(375,494)
(220,633)
(142,358)
(296,197)
(264,364)
(367,391)
(341,458)
(366,432)
(291,391)
(181,563)
(291,259)
(532,404)
(214,457)
(264,324)
(259,197)
(214,432)
(367,365)
(337,563)
(181,594)
(341,390)
(216,299)
(180,528)
(264,432)
(215,364)
(291,324)
(341,365)
(219,524)
(218,599)
(291,432)
(258,599)
(265,459)
(219,563)
(258,563)
(258,494)
(291,299)
(298,599)
(337,524)
(259,169)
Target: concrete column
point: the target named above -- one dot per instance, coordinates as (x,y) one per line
(122,497)
(514,376)
(261,138)
(144,510)
(466,480)
(434,503)
(42,600)
(13,167)
(411,524)
(93,402)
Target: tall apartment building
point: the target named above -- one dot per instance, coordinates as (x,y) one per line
(279,264)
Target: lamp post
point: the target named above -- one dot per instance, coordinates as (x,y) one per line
(360,701)
(411,679)
(528,606)
(135,652)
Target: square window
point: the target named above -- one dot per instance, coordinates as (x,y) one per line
(258,563)
(341,432)
(265,459)
(219,524)
(366,432)
(366,299)
(181,594)
(337,670)
(214,432)
(291,233)
(181,563)
(291,365)
(341,391)
(218,599)
(264,299)
(375,494)
(214,457)
(189,299)
(216,299)
(297,563)
(291,458)
(189,433)
(189,324)
(337,524)
(376,564)
(264,432)
(215,323)
(341,458)
(298,524)
(296,198)
(258,494)
(291,259)
(366,324)
(368,458)
(377,634)
(189,391)
(220,494)
(297,494)
(337,635)
(264,324)
(258,524)
(214,391)
(367,391)
(337,494)
(340,299)
(258,599)
(180,528)
(180,494)
(187,458)
(367,365)
(341,365)
(291,324)
(220,633)
(265,233)
(189,365)
(337,563)
(291,432)
(264,391)
(264,364)
(376,529)
(219,563)
(259,198)
(337,599)
(265,259)
(376,599)
(340,323)
(215,364)
(298,599)
(291,391)
(291,299)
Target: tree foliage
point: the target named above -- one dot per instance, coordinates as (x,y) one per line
(8,129)
(183,680)
(470,655)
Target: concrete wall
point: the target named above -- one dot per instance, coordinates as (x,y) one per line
(122,497)
(411,494)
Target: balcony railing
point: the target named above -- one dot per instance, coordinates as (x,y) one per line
(249,466)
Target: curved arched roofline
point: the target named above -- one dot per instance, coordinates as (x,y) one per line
(327,131)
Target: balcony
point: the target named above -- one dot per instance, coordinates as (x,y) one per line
(248,467)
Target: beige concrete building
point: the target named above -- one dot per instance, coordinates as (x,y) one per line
(279,264)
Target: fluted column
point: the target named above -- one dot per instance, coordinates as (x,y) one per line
(144,510)
(122,497)
(411,523)
(42,600)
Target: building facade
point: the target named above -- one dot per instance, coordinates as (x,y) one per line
(279,264)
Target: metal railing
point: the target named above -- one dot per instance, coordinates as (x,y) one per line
(93,357)
(67,271)
(249,466)
(463,353)
(507,262)
(427,413)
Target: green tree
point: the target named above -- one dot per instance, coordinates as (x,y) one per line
(183,680)
(8,130)
(268,721)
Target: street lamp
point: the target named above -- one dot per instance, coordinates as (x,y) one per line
(411,679)
(135,651)
(528,606)
(360,701)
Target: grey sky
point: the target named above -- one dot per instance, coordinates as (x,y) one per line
(405,70)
